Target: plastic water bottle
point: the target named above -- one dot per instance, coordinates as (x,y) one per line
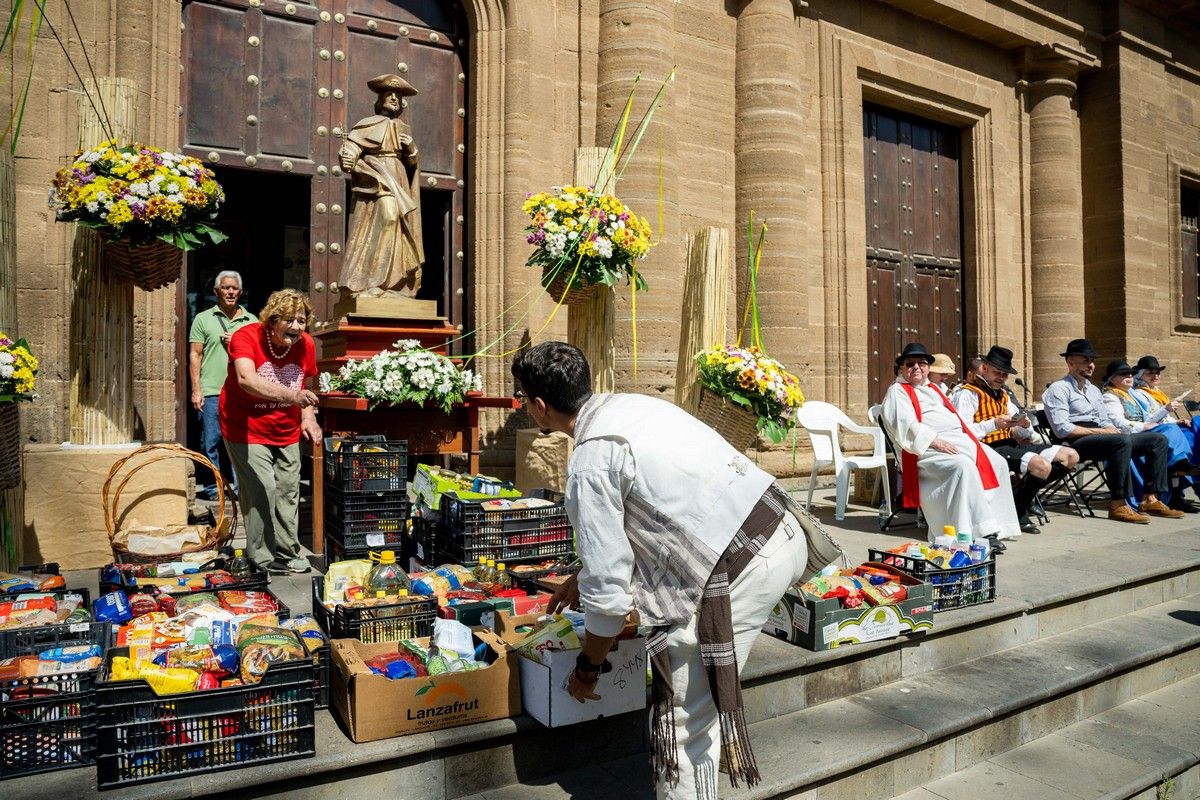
(239,565)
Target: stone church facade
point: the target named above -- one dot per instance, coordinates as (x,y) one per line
(961,172)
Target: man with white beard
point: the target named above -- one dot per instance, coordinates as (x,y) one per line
(958,482)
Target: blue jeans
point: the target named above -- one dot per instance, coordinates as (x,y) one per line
(210,444)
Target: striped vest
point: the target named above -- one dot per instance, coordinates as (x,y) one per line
(989,408)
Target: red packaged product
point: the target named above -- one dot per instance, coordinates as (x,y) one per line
(166,604)
(240,602)
(142,603)
(218,578)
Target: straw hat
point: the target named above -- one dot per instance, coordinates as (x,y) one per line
(942,365)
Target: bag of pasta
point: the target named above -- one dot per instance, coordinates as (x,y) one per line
(259,646)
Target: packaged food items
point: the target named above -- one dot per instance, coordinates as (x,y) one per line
(163,680)
(308,630)
(112,607)
(550,633)
(193,601)
(397,665)
(442,580)
(78,615)
(343,575)
(258,647)
(10,607)
(247,602)
(141,603)
(16,582)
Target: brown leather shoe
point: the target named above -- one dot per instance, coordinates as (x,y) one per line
(1121,512)
(1158,508)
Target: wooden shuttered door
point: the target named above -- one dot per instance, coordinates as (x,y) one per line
(1189,250)
(914,240)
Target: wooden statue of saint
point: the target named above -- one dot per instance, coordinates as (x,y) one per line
(384,251)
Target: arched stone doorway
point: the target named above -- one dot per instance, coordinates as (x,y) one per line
(267,88)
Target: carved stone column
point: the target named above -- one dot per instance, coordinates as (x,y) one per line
(1055,212)
(769,160)
(637,36)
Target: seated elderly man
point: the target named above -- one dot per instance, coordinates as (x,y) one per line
(957,477)
(1077,413)
(990,412)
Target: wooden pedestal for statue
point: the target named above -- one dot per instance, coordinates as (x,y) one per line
(428,430)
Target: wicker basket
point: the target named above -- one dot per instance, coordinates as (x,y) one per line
(150,266)
(10,446)
(214,536)
(738,426)
(579,292)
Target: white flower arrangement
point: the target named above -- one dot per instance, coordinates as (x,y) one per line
(407,374)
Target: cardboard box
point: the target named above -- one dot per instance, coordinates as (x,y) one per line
(824,624)
(544,687)
(374,707)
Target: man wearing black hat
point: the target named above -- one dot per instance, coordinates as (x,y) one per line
(988,409)
(947,471)
(1076,411)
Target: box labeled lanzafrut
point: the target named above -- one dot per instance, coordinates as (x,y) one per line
(374,707)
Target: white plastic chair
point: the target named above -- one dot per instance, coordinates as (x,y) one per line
(822,421)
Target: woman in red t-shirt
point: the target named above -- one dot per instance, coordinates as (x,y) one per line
(264,410)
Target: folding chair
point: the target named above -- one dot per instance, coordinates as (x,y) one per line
(894,506)
(822,421)
(1077,496)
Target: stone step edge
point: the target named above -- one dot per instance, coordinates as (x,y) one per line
(948,622)
(1045,691)
(821,774)
(1173,761)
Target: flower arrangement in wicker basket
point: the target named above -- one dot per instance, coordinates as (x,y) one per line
(149,205)
(743,390)
(18,370)
(583,239)
(211,537)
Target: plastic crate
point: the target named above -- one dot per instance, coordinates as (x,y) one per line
(953,587)
(258,581)
(48,723)
(322,658)
(409,619)
(141,737)
(469,530)
(529,580)
(367,520)
(353,471)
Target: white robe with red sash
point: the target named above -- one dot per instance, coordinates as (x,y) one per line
(951,486)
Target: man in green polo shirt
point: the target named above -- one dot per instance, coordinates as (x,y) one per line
(208,362)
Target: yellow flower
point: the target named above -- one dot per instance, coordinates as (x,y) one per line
(120,213)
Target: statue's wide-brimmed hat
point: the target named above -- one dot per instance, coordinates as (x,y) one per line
(391,83)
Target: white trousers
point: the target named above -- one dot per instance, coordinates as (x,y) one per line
(752,596)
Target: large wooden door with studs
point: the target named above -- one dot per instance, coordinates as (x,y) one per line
(914,240)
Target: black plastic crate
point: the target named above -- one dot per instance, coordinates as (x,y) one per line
(48,723)
(322,658)
(406,619)
(353,471)
(141,737)
(370,520)
(469,531)
(953,587)
(258,581)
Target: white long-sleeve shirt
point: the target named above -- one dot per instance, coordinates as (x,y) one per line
(1116,410)
(966,403)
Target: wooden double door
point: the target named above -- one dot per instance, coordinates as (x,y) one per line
(914,240)
(269,89)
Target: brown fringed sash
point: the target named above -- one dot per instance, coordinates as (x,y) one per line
(714,630)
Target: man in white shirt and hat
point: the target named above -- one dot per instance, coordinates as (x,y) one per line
(959,481)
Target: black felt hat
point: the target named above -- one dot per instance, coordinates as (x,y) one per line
(914,349)
(1080,347)
(1000,358)
(1117,367)
(1150,363)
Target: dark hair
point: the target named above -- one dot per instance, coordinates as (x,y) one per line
(557,372)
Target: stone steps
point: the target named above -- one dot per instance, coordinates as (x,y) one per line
(898,736)
(1125,753)
(1049,587)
